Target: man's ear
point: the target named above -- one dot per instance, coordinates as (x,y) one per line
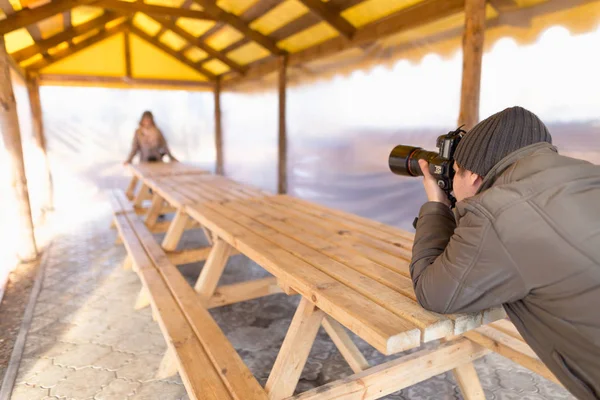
(474,179)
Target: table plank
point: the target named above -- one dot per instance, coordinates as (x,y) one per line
(350,269)
(381,328)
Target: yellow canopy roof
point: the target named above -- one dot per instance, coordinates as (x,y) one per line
(191,43)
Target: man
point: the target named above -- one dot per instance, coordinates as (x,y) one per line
(525,234)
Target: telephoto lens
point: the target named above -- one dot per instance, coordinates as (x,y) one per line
(404,160)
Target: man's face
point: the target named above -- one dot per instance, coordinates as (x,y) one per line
(465,183)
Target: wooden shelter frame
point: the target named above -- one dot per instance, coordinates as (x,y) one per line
(118,18)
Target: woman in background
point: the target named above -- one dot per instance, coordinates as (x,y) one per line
(149,142)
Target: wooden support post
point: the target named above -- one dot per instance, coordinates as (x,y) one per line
(472,57)
(345,345)
(127,54)
(143,299)
(128,261)
(218,129)
(142,195)
(282,165)
(175,231)
(154,211)
(212,270)
(11,134)
(35,103)
(468,381)
(130,193)
(237,292)
(294,351)
(168,365)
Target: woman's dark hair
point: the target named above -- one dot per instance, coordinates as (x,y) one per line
(149,115)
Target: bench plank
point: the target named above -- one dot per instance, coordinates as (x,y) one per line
(231,368)
(190,353)
(381,328)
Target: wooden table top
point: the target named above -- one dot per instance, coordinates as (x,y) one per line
(185,189)
(156,169)
(354,269)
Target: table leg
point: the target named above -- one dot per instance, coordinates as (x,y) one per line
(175,231)
(294,351)
(141,196)
(131,188)
(212,271)
(468,381)
(345,345)
(154,211)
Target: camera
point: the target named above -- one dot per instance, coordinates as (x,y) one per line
(404,160)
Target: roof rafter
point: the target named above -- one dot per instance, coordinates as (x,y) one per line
(421,13)
(166,23)
(180,57)
(104,34)
(27,16)
(159,11)
(65,36)
(221,15)
(111,81)
(333,18)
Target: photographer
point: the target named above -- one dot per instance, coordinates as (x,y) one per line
(525,234)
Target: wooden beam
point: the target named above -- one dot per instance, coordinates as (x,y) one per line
(258,9)
(165,22)
(332,17)
(33,88)
(67,22)
(159,11)
(65,36)
(28,16)
(172,52)
(472,57)
(389,377)
(119,82)
(11,135)
(419,14)
(294,351)
(104,34)
(504,5)
(282,160)
(244,291)
(221,15)
(127,54)
(218,129)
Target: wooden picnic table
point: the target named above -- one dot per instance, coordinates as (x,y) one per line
(350,272)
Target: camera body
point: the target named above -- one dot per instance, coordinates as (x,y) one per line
(404,160)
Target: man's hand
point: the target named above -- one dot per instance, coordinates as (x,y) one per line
(434,192)
(126,163)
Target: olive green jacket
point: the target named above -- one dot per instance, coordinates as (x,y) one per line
(529,240)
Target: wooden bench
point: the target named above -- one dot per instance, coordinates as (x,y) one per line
(208,364)
(503,338)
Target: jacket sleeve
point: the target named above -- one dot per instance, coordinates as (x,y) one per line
(165,146)
(135,147)
(463,268)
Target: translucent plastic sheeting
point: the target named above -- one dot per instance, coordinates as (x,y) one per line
(341,131)
(89,133)
(250,132)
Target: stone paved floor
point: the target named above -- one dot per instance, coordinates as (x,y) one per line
(87,342)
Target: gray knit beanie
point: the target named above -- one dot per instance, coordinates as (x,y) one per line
(497,136)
